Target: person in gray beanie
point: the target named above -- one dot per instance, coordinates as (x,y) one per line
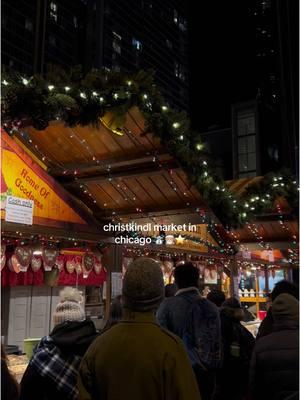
(274,371)
(52,370)
(136,358)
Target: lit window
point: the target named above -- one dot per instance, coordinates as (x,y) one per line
(28,25)
(53,11)
(116,43)
(175,16)
(75,21)
(136,44)
(179,71)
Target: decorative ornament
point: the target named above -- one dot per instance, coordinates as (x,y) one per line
(51,277)
(78,268)
(49,258)
(60,261)
(3,256)
(36,263)
(24,255)
(88,263)
(14,265)
(70,265)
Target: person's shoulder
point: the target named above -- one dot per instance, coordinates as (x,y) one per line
(168,302)
(169,336)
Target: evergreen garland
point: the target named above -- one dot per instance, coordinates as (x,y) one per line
(79,99)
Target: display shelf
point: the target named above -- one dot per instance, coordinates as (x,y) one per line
(253,299)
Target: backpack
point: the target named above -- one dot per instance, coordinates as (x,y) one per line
(202,335)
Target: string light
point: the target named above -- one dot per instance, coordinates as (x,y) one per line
(176,125)
(50,87)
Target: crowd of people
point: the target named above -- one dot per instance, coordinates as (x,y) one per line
(165,343)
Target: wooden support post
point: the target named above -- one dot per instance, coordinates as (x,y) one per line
(234,286)
(112,260)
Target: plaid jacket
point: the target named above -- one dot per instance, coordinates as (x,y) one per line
(49,361)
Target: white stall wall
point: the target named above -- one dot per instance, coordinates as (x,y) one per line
(30,312)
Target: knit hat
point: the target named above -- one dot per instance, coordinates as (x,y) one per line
(69,308)
(285,306)
(143,286)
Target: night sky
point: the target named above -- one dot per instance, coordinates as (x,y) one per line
(222,60)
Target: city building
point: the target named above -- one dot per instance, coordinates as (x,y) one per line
(247,93)
(113,34)
(40,32)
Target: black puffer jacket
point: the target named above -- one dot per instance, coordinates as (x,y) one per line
(274,371)
(238,342)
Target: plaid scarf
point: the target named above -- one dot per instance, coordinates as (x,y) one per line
(60,368)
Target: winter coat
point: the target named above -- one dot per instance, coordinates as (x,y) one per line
(52,371)
(173,311)
(238,343)
(274,371)
(137,360)
(266,326)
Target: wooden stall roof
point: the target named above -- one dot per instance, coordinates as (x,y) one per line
(270,227)
(130,175)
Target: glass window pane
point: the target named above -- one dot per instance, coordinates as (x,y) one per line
(243,163)
(251,145)
(242,145)
(245,122)
(252,161)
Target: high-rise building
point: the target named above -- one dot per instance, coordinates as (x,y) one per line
(40,32)
(128,35)
(247,88)
(117,35)
(265,129)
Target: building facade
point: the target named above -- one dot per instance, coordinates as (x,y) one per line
(117,35)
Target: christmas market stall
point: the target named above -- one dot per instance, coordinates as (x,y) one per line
(120,150)
(48,241)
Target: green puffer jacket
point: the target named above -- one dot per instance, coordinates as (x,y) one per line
(137,360)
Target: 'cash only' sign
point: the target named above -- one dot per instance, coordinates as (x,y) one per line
(19,210)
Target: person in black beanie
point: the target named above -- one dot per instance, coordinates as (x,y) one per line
(136,359)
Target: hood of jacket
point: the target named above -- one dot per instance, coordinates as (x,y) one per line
(236,314)
(74,336)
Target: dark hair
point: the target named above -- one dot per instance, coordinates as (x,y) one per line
(285,286)
(9,386)
(115,312)
(232,302)
(217,297)
(186,275)
(170,289)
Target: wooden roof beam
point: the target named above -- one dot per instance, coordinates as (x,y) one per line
(134,173)
(147,212)
(114,162)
